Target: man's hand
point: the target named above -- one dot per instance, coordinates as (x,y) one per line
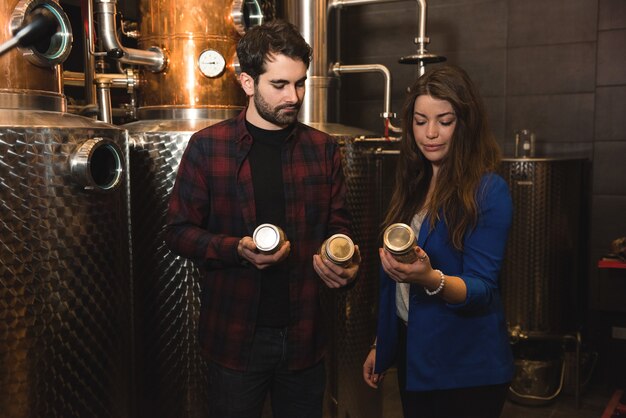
(372,379)
(248,251)
(335,276)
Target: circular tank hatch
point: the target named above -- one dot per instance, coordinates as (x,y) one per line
(97,165)
(51,50)
(246,14)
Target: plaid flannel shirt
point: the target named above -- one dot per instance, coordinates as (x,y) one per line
(212,207)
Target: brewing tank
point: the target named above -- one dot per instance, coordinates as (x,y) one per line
(541,275)
(64,253)
(171,371)
(369,168)
(64,269)
(198,88)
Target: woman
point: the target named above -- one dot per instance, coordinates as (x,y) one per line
(441,317)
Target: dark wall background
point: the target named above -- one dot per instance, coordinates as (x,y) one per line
(557,67)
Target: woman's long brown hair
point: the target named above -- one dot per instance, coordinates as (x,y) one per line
(473,152)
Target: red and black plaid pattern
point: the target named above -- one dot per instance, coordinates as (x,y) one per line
(212,207)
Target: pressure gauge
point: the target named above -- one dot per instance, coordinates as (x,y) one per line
(211,63)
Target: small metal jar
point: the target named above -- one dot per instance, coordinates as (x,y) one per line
(339,249)
(399,240)
(268,238)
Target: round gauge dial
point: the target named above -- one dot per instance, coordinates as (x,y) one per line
(211,63)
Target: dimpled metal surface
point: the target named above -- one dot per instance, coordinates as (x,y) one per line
(170,369)
(352,314)
(541,272)
(64,274)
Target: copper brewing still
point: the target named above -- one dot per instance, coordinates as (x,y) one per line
(187,54)
(199,38)
(33,70)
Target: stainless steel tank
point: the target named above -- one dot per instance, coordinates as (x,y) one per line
(64,244)
(369,168)
(198,89)
(351,315)
(542,275)
(64,269)
(171,372)
(544,262)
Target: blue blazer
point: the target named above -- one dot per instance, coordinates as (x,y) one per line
(455,345)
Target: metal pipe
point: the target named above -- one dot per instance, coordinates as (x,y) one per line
(103,88)
(88,57)
(125,81)
(340,3)
(154,58)
(310,16)
(423,56)
(338,69)
(421,39)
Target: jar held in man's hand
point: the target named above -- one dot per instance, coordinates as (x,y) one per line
(339,249)
(268,238)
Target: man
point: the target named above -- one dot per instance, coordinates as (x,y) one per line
(260,322)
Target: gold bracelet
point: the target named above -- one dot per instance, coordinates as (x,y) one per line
(442,283)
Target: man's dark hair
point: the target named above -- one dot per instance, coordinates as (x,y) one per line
(271,38)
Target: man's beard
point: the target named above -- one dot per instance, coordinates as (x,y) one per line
(275,116)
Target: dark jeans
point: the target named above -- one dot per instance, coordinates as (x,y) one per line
(235,394)
(471,402)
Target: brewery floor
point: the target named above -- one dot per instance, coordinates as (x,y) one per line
(592,403)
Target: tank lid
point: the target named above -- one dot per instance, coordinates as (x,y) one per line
(337,129)
(164,113)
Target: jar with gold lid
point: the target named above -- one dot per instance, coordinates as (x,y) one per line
(399,241)
(339,249)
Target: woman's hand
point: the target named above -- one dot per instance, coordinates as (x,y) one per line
(417,272)
(451,289)
(372,379)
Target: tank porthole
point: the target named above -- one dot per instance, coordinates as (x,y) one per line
(52,50)
(246,14)
(97,165)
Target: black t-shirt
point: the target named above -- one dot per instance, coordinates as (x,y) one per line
(269,198)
